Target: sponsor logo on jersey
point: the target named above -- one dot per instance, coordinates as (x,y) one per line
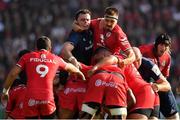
(74,90)
(163,63)
(99,83)
(43,56)
(43,60)
(108,34)
(33,102)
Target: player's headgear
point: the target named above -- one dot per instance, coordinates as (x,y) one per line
(163,39)
(111,12)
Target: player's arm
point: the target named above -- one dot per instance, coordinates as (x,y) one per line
(129,59)
(109,60)
(10,78)
(76,27)
(8,83)
(66,53)
(72,69)
(161,85)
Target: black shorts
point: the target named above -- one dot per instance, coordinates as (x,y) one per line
(168,105)
(155,111)
(146,112)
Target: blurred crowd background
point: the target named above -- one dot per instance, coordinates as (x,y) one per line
(23,21)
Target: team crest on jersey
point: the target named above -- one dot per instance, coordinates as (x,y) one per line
(43,56)
(163,63)
(101,36)
(108,34)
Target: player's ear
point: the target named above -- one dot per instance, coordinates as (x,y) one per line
(76,22)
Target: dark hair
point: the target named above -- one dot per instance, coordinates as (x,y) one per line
(111,11)
(82,11)
(163,38)
(43,43)
(22,79)
(99,49)
(21,53)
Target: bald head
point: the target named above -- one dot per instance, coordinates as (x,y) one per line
(138,56)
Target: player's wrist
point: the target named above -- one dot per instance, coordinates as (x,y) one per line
(156,87)
(5,91)
(71,58)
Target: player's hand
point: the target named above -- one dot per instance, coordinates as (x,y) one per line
(4,99)
(76,63)
(121,64)
(82,75)
(155,87)
(76,27)
(92,71)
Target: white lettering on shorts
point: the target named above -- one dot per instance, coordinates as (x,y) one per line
(74,90)
(33,102)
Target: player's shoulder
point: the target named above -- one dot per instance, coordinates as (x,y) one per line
(18,88)
(146,48)
(167,55)
(94,21)
(147,62)
(118,30)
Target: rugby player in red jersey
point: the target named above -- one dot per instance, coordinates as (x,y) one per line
(41,67)
(106,87)
(141,89)
(159,54)
(107,33)
(14,108)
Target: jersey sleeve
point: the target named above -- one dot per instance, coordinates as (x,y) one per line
(166,70)
(73,38)
(93,23)
(21,62)
(122,41)
(152,68)
(85,68)
(62,63)
(143,49)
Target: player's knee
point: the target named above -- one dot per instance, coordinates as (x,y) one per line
(175,116)
(90,108)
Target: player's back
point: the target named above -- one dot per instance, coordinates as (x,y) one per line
(40,67)
(133,78)
(15,102)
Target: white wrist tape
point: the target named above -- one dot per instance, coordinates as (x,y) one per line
(5,91)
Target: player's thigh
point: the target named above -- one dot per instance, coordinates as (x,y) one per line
(66,113)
